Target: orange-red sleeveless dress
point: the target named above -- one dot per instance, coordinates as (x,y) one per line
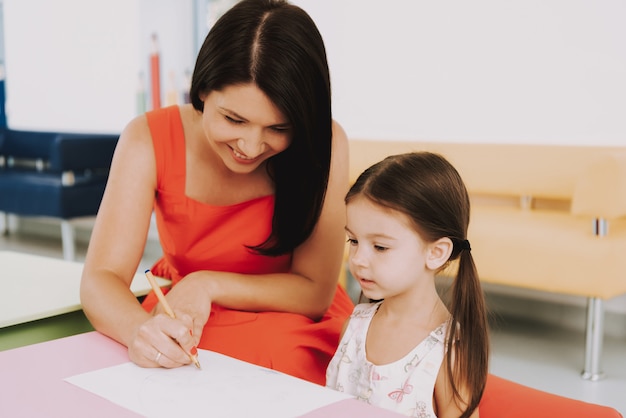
(197,236)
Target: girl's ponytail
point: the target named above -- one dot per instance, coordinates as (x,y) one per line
(468,338)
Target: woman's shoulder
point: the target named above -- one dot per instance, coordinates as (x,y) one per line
(141,124)
(187,113)
(136,131)
(139,134)
(158,125)
(340,138)
(340,157)
(338,130)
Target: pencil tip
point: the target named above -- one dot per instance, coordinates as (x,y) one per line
(147,271)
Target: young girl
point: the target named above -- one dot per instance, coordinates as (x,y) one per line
(407,219)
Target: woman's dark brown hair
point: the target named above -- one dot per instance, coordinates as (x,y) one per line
(277,46)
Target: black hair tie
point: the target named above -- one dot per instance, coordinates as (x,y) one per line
(465,245)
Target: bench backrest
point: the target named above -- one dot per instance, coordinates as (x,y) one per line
(533,171)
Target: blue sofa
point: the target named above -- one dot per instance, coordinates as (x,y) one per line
(51,174)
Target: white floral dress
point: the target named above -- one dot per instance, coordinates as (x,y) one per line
(405,386)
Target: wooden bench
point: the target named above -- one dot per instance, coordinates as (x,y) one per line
(550,218)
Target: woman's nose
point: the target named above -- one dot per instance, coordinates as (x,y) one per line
(252,146)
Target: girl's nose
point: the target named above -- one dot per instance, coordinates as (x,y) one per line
(357,257)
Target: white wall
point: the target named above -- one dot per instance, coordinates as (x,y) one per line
(527,71)
(520,71)
(73,65)
(542,71)
(537,71)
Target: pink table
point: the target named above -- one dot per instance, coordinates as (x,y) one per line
(32,385)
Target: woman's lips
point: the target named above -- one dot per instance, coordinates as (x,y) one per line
(242,158)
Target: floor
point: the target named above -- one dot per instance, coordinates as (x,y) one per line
(529,352)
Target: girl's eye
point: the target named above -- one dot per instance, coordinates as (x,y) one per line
(352,241)
(380,248)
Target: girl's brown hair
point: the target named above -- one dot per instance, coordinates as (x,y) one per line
(429,190)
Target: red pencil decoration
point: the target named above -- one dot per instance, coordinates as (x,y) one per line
(155,75)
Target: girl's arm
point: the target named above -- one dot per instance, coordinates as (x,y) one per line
(446,405)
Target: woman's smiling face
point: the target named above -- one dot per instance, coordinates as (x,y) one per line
(244,127)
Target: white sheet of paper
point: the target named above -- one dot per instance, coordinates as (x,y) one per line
(225,387)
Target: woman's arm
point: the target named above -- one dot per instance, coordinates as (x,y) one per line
(115,249)
(119,237)
(308,289)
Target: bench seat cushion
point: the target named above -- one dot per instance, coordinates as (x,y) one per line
(548,250)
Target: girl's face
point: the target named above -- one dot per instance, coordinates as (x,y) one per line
(387,257)
(244,127)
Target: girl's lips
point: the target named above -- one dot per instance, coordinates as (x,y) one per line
(366,282)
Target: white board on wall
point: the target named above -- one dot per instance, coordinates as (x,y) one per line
(525,71)
(70,64)
(74,65)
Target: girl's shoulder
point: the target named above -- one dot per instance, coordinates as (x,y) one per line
(358,322)
(365,310)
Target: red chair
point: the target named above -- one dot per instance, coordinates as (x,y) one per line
(506,399)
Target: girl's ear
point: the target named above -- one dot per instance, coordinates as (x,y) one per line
(438,253)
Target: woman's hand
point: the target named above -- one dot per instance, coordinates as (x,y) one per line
(162,341)
(191,299)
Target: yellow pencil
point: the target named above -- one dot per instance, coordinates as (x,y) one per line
(166,306)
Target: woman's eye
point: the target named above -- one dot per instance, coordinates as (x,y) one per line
(380,248)
(232,120)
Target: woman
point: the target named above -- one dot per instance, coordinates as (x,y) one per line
(247,184)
